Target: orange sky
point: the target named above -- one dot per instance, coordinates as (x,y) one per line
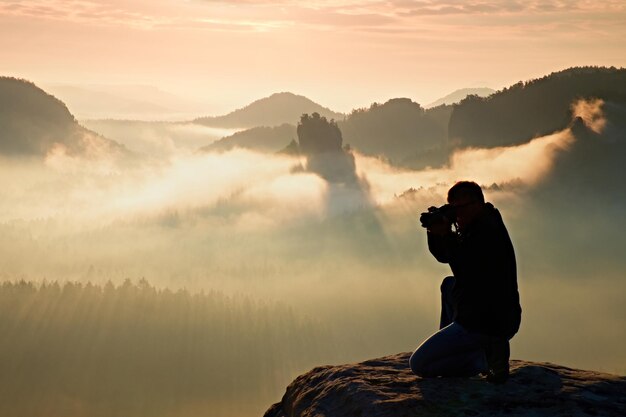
(342,54)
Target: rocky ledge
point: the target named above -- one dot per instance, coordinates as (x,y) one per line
(386,387)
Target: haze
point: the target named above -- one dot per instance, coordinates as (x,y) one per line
(252,223)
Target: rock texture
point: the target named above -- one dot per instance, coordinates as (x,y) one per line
(386,387)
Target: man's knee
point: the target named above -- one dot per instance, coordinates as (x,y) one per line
(416,364)
(419,364)
(447,284)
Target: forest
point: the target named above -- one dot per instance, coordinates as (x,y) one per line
(76,349)
(533,108)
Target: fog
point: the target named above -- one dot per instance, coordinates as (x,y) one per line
(158,139)
(351,259)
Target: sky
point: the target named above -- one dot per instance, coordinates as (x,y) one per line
(343,54)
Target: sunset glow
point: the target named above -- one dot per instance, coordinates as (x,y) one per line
(342,54)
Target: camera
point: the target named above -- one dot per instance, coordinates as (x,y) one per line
(436,215)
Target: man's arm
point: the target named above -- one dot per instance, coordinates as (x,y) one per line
(442,242)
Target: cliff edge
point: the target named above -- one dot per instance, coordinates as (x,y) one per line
(386,387)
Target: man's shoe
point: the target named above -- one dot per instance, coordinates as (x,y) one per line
(498,360)
(497,378)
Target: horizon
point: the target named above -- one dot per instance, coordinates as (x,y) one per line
(198,112)
(185,113)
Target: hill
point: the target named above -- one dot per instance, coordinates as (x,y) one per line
(533,108)
(399,130)
(275,110)
(458,95)
(407,135)
(35,123)
(262,139)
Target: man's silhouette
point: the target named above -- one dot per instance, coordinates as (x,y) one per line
(480,309)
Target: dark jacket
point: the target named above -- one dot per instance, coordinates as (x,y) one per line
(483,263)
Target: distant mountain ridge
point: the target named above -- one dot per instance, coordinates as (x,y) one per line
(458,95)
(34,123)
(533,108)
(262,139)
(407,135)
(399,130)
(275,110)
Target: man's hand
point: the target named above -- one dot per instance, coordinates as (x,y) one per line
(441,228)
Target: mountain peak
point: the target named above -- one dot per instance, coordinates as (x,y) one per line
(458,95)
(274,110)
(285,94)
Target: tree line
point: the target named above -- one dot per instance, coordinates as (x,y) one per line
(132,349)
(532,108)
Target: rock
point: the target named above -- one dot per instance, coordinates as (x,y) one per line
(316,134)
(386,387)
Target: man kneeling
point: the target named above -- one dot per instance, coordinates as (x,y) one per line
(480,309)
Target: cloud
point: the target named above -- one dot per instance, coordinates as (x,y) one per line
(433,7)
(237,25)
(591,113)
(270,15)
(84,11)
(92,193)
(524,165)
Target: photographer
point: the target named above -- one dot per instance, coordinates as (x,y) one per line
(480,309)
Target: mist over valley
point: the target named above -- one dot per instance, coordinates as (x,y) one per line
(228,254)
